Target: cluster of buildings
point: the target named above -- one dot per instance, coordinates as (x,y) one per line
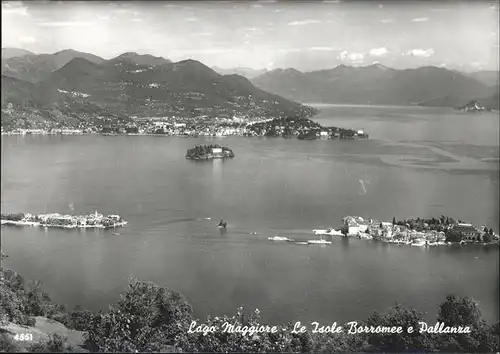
(202,125)
(473,106)
(95,220)
(424,235)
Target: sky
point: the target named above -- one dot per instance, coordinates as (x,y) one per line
(306,35)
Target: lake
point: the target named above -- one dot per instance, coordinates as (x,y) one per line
(419,162)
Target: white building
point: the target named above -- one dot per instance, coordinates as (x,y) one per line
(217,152)
(353,229)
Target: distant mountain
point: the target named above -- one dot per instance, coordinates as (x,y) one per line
(374,84)
(492,101)
(249,73)
(141,59)
(36,67)
(490,78)
(121,88)
(8,53)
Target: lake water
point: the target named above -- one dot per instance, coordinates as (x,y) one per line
(419,162)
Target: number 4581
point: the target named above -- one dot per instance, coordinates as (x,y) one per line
(23,337)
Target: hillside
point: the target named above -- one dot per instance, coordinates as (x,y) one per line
(41,334)
(121,88)
(374,84)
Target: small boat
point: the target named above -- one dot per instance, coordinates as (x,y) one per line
(222,224)
(319,242)
(301,243)
(278,238)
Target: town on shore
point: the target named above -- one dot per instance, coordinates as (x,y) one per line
(95,220)
(300,127)
(415,232)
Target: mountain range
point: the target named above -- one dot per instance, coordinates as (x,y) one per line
(379,85)
(82,86)
(249,73)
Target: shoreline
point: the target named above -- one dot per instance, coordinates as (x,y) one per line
(39,224)
(178,135)
(56,220)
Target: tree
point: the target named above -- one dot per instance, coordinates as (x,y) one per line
(453,236)
(399,342)
(393,220)
(464,311)
(147,318)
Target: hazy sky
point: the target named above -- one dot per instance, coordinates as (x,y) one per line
(306,35)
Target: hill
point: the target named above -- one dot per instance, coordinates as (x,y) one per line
(37,67)
(374,84)
(141,59)
(8,53)
(120,88)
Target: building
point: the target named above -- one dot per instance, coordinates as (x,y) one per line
(467,232)
(217,152)
(362,227)
(351,225)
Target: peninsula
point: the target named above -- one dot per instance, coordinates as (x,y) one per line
(208,152)
(94,220)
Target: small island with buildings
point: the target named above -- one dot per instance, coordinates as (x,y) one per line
(208,152)
(94,220)
(415,232)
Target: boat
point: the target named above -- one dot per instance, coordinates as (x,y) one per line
(301,243)
(278,238)
(222,224)
(331,232)
(319,242)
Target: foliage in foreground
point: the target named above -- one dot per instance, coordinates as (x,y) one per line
(149,318)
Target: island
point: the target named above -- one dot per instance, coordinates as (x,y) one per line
(94,220)
(421,232)
(473,106)
(208,152)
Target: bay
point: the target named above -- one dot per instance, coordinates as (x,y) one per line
(419,162)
